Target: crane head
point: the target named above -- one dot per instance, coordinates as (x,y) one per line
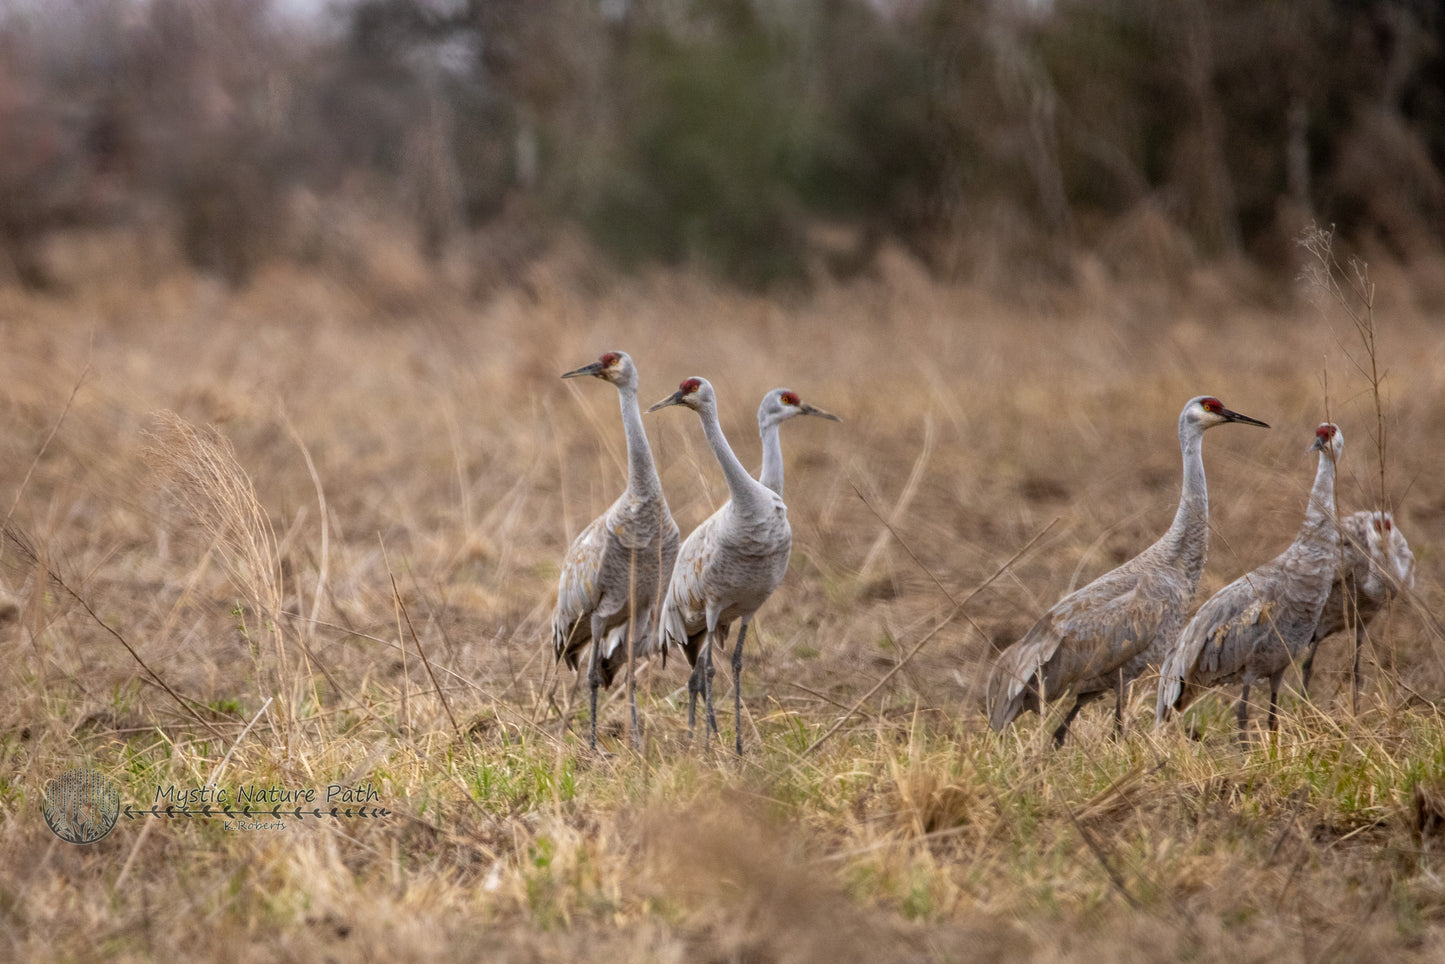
(614,366)
(694,393)
(781,404)
(1329,437)
(1206,411)
(1389,550)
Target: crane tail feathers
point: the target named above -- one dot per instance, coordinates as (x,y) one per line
(1014,684)
(1175,690)
(1181,664)
(1007,691)
(1171,690)
(1004,712)
(568,639)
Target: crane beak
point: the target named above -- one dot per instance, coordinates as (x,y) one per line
(807,409)
(593,369)
(676,398)
(1242,419)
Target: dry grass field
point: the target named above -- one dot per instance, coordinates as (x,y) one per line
(342,496)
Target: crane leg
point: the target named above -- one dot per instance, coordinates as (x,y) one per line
(694,687)
(738,685)
(1242,713)
(594,679)
(1274,700)
(1080,702)
(1355,672)
(632,692)
(1119,706)
(707,696)
(1062,730)
(1307,668)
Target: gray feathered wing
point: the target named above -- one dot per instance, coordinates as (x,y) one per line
(1083,636)
(1213,645)
(684,610)
(578,592)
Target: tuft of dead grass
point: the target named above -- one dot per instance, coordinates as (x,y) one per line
(197,470)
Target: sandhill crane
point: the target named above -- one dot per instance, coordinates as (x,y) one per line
(777,407)
(614,573)
(1101,636)
(1375,563)
(731,563)
(1255,627)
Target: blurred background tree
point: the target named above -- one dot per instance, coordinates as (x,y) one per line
(767,141)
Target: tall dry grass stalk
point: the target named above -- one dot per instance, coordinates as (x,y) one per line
(199,474)
(1349,289)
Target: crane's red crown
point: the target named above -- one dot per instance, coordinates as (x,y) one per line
(1382,523)
(610,359)
(1211,405)
(1326,432)
(790,398)
(690,385)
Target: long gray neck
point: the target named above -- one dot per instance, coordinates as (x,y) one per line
(772,473)
(1187,540)
(746,492)
(642,480)
(1319,521)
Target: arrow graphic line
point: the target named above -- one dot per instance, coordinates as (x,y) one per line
(173,811)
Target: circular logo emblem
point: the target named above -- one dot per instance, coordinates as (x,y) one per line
(81,806)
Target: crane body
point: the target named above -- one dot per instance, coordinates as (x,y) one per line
(1375,565)
(1253,629)
(614,573)
(1100,637)
(731,563)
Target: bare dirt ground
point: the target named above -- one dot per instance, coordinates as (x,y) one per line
(356,508)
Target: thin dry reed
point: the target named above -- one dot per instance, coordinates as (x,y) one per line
(212,496)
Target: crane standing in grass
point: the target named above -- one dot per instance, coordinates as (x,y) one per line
(1255,627)
(1375,563)
(1100,637)
(731,563)
(616,569)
